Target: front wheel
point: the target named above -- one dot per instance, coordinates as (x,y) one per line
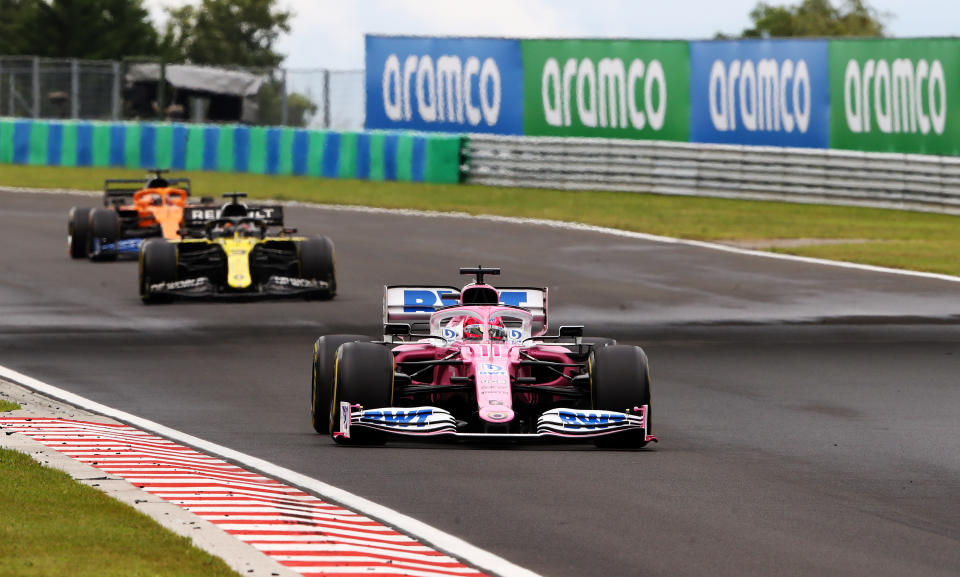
(364,376)
(158,264)
(103,232)
(78,225)
(321,383)
(620,381)
(318,262)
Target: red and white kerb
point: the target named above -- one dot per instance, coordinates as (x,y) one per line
(303,532)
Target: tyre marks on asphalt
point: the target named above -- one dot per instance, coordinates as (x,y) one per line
(299,530)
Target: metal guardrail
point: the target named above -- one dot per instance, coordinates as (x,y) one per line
(903,181)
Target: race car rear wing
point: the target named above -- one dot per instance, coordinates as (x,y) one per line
(121,190)
(413,303)
(197,216)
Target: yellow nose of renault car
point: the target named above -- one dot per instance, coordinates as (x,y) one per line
(236,256)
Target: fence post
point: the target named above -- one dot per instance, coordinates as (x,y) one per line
(36,87)
(74,88)
(326,99)
(162,91)
(284,115)
(115,103)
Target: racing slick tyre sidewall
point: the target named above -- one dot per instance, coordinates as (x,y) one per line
(158,263)
(620,381)
(78,225)
(318,262)
(104,225)
(321,383)
(364,376)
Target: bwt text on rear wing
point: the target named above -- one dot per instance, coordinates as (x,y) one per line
(412,303)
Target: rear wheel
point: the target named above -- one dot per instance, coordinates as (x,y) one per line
(104,230)
(364,376)
(620,381)
(318,262)
(158,263)
(78,224)
(321,384)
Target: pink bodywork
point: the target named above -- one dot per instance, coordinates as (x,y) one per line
(491,362)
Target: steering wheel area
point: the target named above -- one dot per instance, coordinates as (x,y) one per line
(228,227)
(154,197)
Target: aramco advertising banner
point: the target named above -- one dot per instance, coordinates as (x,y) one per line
(896,95)
(760,92)
(444,84)
(606,88)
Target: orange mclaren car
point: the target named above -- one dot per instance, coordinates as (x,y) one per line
(132,212)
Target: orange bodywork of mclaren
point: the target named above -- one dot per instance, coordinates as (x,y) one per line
(163,206)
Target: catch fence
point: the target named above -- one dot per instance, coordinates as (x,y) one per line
(46,88)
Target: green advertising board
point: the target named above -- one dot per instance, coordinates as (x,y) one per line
(895,95)
(607,88)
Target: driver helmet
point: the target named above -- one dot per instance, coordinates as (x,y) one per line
(472,330)
(497,331)
(224,229)
(246,229)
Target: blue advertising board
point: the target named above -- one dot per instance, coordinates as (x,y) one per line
(760,92)
(444,84)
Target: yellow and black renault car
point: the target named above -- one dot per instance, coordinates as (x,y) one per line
(237,256)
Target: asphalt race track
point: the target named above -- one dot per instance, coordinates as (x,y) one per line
(807,413)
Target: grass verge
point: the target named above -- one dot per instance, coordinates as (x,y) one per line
(891,238)
(52,525)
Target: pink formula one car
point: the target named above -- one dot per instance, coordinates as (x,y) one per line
(477,364)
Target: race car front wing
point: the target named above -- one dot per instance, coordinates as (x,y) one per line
(567,424)
(203,287)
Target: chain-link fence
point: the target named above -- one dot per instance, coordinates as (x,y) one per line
(34,87)
(326,99)
(44,88)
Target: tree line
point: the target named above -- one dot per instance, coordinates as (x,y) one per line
(245,32)
(215,32)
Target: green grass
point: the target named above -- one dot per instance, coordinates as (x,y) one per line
(52,525)
(6,406)
(899,239)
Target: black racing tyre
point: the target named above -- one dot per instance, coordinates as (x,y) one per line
(364,376)
(321,382)
(158,263)
(78,223)
(620,381)
(598,342)
(318,262)
(104,228)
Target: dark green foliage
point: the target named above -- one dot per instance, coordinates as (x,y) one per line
(16,18)
(226,32)
(219,32)
(93,29)
(815,18)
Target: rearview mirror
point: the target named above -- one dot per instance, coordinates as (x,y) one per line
(571,331)
(396,329)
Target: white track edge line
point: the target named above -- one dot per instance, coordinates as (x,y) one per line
(444,542)
(564,225)
(579,226)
